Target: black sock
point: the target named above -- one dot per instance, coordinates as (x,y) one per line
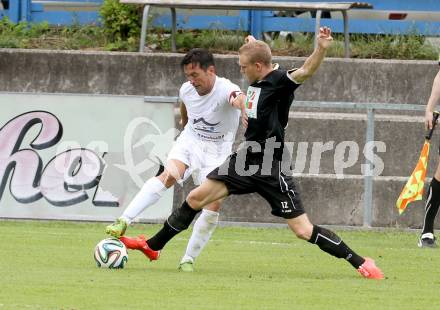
(431,207)
(329,242)
(158,241)
(178,220)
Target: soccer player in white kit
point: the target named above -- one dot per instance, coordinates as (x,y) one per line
(210,110)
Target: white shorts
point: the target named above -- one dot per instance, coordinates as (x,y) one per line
(200,156)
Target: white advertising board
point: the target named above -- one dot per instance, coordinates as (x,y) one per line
(80,157)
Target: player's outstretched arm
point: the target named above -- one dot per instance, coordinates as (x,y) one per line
(313,62)
(433,100)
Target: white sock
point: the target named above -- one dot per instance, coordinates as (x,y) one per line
(149,194)
(202,231)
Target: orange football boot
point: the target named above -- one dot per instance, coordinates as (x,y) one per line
(140,243)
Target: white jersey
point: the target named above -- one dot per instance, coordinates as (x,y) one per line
(211,117)
(207,139)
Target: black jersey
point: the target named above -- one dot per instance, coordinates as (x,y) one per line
(267,107)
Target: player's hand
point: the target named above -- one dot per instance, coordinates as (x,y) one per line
(249,39)
(428,120)
(244,119)
(325,37)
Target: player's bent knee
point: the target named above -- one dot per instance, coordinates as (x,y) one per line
(302,234)
(301,226)
(167,179)
(302,231)
(194,199)
(208,192)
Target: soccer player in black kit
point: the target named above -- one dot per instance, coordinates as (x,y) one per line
(258,166)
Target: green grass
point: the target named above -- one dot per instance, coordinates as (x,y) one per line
(43,36)
(49,265)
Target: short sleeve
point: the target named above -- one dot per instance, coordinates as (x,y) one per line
(290,77)
(286,80)
(232,90)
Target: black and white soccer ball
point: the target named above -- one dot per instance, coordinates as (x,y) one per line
(111,253)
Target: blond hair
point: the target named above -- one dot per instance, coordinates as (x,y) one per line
(257,51)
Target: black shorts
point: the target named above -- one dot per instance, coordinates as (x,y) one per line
(268,180)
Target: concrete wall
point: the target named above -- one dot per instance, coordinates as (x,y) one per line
(327,199)
(159,74)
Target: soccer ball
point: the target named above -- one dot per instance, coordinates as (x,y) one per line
(111,253)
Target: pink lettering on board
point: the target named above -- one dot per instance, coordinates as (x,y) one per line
(65,178)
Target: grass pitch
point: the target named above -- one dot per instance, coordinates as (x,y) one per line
(50,265)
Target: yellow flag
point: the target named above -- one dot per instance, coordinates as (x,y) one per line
(413,189)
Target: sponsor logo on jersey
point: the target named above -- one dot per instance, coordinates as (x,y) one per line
(252,96)
(202,125)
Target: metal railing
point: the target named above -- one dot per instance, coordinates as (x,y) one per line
(255,6)
(387,17)
(369,108)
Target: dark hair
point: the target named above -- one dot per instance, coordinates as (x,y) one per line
(199,56)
